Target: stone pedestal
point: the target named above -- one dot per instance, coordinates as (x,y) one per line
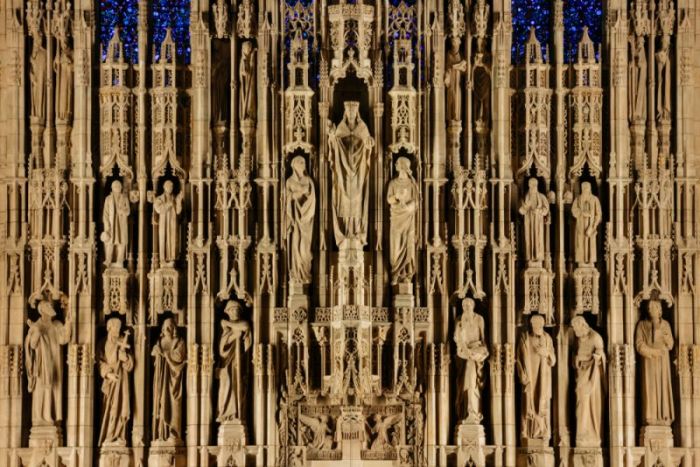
(535,453)
(231,441)
(114,457)
(538,292)
(114,281)
(587,457)
(164,293)
(586,279)
(403,295)
(470,439)
(166,455)
(47,436)
(657,441)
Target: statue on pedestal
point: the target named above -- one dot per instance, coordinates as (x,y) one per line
(535,360)
(37,79)
(170,353)
(44,362)
(472,352)
(115,235)
(535,210)
(168,207)
(402,196)
(638,80)
(588,214)
(589,363)
(63,67)
(350,146)
(654,340)
(234,345)
(301,209)
(455,67)
(246,75)
(115,362)
(663,79)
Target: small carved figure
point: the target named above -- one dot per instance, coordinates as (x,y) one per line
(44,361)
(589,363)
(170,355)
(233,349)
(350,146)
(301,209)
(588,213)
(63,67)
(402,196)
(115,222)
(168,207)
(535,210)
(472,352)
(638,80)
(115,362)
(455,67)
(220,83)
(37,78)
(535,360)
(246,75)
(663,79)
(321,431)
(653,341)
(380,430)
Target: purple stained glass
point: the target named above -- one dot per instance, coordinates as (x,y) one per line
(173,14)
(577,14)
(122,14)
(527,14)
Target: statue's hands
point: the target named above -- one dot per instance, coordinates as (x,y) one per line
(105,237)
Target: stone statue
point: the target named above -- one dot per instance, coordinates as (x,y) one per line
(535,360)
(115,235)
(220,82)
(589,363)
(320,430)
(535,210)
(654,341)
(402,196)
(246,75)
(170,355)
(380,430)
(44,362)
(663,79)
(350,147)
(234,345)
(301,209)
(472,352)
(63,67)
(168,207)
(37,78)
(588,214)
(638,80)
(455,67)
(115,362)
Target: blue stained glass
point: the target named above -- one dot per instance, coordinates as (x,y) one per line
(173,14)
(124,14)
(526,14)
(577,14)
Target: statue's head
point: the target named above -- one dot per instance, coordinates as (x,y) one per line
(532,184)
(233,310)
(246,48)
(537,324)
(586,188)
(455,42)
(580,326)
(352,109)
(467,306)
(116,186)
(45,309)
(168,187)
(114,325)
(403,165)
(655,310)
(299,165)
(168,328)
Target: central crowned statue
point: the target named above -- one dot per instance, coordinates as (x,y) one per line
(350,146)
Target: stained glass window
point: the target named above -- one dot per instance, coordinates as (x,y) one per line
(123,14)
(173,14)
(527,14)
(577,14)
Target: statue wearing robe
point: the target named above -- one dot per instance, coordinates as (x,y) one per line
(168,207)
(588,214)
(246,75)
(170,355)
(638,81)
(472,352)
(301,209)
(535,360)
(63,66)
(115,362)
(44,362)
(350,147)
(455,67)
(654,341)
(37,78)
(402,196)
(115,216)
(233,349)
(663,79)
(535,210)
(589,363)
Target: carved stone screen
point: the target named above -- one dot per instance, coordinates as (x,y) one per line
(349,233)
